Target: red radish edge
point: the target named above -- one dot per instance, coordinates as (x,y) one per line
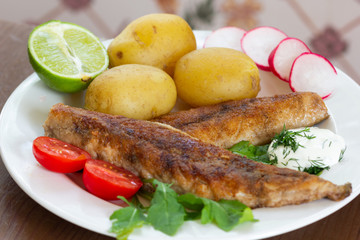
(319,82)
(259,49)
(229,37)
(283,56)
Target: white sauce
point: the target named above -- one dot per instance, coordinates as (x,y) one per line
(324,150)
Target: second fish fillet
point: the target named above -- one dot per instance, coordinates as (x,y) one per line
(256,120)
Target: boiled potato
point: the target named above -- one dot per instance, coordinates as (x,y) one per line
(213,75)
(158,40)
(132,90)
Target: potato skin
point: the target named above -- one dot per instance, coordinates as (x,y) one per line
(132,90)
(213,75)
(158,40)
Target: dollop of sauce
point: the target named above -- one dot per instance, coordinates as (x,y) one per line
(305,148)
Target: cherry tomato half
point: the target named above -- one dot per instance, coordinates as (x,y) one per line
(108,181)
(59,156)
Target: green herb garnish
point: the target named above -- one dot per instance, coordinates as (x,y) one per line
(315,170)
(125,220)
(317,167)
(287,138)
(165,213)
(256,153)
(226,214)
(168,211)
(342,154)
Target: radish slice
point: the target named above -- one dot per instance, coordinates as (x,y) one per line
(283,56)
(312,72)
(259,42)
(229,37)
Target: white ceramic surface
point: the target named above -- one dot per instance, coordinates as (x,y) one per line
(27,108)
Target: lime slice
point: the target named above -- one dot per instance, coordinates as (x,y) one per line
(66,56)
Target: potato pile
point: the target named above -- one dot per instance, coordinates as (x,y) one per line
(154,60)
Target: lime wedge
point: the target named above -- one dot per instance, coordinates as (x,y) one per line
(67,57)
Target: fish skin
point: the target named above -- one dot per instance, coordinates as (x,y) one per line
(256,120)
(155,150)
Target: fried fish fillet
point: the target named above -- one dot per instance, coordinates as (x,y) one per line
(155,150)
(256,120)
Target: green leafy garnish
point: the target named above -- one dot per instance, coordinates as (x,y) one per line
(125,220)
(226,214)
(256,153)
(165,213)
(286,138)
(317,167)
(315,170)
(193,206)
(168,211)
(342,154)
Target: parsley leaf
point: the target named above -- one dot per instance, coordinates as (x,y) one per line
(126,219)
(168,211)
(226,214)
(256,153)
(192,204)
(165,213)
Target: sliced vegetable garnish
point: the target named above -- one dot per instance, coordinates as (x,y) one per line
(229,37)
(59,156)
(256,153)
(312,72)
(168,211)
(108,181)
(66,56)
(283,56)
(259,42)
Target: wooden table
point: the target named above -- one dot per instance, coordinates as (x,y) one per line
(22,218)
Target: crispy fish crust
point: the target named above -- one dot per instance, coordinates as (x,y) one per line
(155,150)
(256,120)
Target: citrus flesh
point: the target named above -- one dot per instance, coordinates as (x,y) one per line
(66,56)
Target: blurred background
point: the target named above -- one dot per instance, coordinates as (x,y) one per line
(329,27)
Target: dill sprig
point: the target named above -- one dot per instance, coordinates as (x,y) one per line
(342,154)
(317,167)
(286,138)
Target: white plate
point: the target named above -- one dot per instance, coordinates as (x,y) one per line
(27,108)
